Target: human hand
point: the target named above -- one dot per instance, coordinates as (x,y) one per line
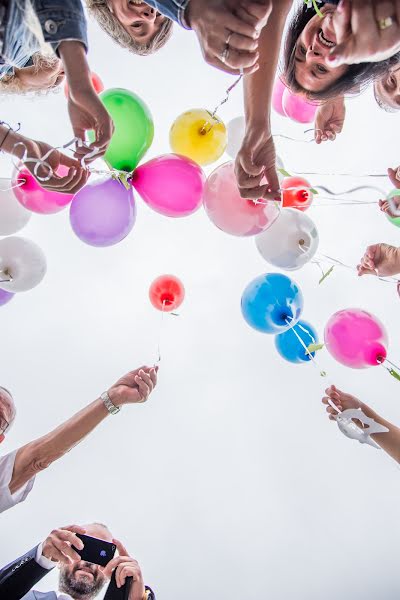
(329,120)
(69,184)
(358,34)
(255,163)
(125,566)
(228,33)
(135,387)
(340,399)
(58,545)
(381,260)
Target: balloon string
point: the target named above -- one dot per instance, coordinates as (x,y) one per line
(350,191)
(204,129)
(339,263)
(160,331)
(13,187)
(354,175)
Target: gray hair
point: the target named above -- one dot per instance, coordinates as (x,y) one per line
(382,104)
(109,23)
(6,390)
(10,84)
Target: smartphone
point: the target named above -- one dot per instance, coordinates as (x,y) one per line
(98,552)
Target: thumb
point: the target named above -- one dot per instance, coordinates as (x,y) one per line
(342,55)
(249,167)
(272,178)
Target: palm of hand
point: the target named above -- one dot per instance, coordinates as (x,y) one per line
(385,260)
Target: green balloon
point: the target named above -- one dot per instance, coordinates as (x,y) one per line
(134,129)
(394,220)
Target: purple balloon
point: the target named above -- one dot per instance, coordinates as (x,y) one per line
(103,212)
(5,297)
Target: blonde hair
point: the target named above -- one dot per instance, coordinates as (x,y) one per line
(109,23)
(10,83)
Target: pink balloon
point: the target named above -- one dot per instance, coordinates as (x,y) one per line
(277,97)
(298,108)
(232,213)
(356,338)
(171,184)
(35,198)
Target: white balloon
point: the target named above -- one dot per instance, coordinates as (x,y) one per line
(236,131)
(290,242)
(23,262)
(13,216)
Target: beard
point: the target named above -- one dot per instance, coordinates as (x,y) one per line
(86,588)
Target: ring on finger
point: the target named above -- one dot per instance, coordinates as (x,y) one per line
(385,23)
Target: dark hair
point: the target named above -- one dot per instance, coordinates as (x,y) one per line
(356,78)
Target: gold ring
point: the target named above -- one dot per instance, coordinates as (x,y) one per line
(385,23)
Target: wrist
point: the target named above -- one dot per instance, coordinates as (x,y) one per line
(116,397)
(11,138)
(259,127)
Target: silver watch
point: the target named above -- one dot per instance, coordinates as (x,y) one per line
(112,409)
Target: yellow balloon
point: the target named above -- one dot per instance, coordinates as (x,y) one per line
(199,136)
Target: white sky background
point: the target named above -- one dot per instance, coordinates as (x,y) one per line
(230,482)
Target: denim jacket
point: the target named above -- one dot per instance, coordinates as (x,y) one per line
(59,19)
(173,9)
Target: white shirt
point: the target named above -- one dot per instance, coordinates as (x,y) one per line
(49,564)
(8,500)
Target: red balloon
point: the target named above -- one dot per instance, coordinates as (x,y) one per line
(166,293)
(96,82)
(296,193)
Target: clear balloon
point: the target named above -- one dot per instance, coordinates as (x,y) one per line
(290,242)
(277,97)
(13,216)
(356,339)
(22,263)
(103,212)
(290,347)
(296,193)
(394,207)
(272,303)
(34,197)
(5,297)
(167,293)
(236,131)
(232,213)
(134,129)
(199,136)
(298,108)
(171,185)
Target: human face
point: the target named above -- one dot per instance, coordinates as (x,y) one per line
(44,76)
(84,580)
(387,89)
(137,18)
(312,69)
(7,412)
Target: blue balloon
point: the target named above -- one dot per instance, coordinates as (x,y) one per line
(272,303)
(289,346)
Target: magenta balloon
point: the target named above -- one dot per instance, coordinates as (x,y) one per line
(35,198)
(297,108)
(171,184)
(229,211)
(277,97)
(356,338)
(103,212)
(5,297)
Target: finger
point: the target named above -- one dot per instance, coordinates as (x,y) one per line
(273,181)
(253,193)
(236,25)
(248,167)
(243,12)
(216,62)
(70,537)
(325,400)
(336,128)
(124,570)
(242,42)
(68,161)
(318,136)
(113,564)
(147,379)
(144,389)
(153,375)
(241,60)
(122,551)
(392,173)
(57,556)
(331,136)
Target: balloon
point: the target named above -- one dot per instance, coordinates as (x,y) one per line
(277,97)
(289,345)
(199,136)
(298,108)
(236,131)
(96,82)
(394,220)
(167,293)
(272,303)
(229,211)
(171,185)
(103,212)
(356,338)
(13,216)
(134,129)
(21,261)
(296,193)
(5,296)
(290,242)
(35,198)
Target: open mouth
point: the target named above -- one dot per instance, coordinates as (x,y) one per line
(324,41)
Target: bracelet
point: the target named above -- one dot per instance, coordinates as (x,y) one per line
(6,136)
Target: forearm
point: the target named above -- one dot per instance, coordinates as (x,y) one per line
(11,142)
(40,453)
(390,441)
(258,87)
(77,70)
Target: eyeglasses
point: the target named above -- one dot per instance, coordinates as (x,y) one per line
(4,425)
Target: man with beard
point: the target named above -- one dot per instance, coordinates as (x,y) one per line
(78,579)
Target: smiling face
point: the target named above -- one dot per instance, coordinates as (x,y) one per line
(138,19)
(312,69)
(84,580)
(7,411)
(45,74)
(387,90)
